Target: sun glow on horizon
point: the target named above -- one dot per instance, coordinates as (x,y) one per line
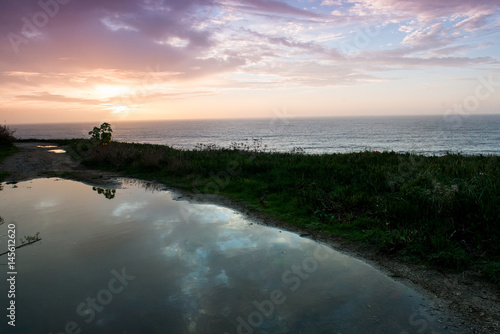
(121,110)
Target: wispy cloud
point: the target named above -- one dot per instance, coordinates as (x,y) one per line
(48,97)
(269,6)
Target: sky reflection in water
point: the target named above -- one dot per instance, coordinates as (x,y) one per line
(188,268)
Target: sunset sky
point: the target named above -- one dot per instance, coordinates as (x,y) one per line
(105,60)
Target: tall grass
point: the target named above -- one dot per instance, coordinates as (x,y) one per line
(6,146)
(6,136)
(440,209)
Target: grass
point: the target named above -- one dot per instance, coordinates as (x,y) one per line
(5,151)
(6,136)
(492,272)
(6,146)
(441,210)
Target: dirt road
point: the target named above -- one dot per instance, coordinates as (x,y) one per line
(41,159)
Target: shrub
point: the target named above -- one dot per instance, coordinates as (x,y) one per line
(101,135)
(6,136)
(492,272)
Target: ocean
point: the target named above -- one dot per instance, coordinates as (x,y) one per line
(428,135)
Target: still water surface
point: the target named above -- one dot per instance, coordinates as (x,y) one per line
(142,260)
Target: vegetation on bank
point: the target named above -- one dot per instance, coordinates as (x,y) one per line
(443,210)
(6,146)
(5,151)
(6,136)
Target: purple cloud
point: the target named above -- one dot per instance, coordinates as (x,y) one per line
(272,6)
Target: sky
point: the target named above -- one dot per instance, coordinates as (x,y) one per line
(107,60)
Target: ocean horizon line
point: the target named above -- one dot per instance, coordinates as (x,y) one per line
(288,116)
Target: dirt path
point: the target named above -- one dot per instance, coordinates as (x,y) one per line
(36,160)
(471,305)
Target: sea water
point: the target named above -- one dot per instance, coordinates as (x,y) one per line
(429,135)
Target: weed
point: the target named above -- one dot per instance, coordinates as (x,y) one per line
(6,136)
(491,272)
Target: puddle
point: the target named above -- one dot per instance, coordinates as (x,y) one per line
(57,151)
(52,146)
(136,260)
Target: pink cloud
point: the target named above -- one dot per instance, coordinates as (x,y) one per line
(273,6)
(426,10)
(429,24)
(77,32)
(48,97)
(431,36)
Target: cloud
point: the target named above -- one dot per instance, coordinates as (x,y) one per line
(431,36)
(423,20)
(131,35)
(331,3)
(432,27)
(425,10)
(48,97)
(272,6)
(177,96)
(474,21)
(286,41)
(109,34)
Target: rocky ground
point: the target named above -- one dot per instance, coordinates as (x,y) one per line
(470,304)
